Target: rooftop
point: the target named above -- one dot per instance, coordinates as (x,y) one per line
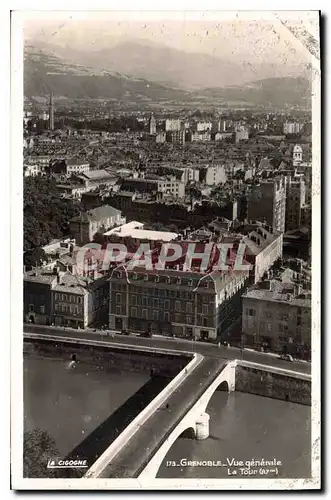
(135,230)
(98,213)
(279,291)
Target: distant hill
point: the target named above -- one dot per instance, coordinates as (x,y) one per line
(177,68)
(45,73)
(277,92)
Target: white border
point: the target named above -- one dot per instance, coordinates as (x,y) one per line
(16,267)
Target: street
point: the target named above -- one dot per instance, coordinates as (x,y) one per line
(204,348)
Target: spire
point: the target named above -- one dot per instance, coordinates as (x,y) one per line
(51,112)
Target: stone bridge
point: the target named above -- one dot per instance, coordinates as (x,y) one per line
(182,409)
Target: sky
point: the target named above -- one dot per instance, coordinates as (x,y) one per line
(237,36)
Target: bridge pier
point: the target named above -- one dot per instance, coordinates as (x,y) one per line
(202,426)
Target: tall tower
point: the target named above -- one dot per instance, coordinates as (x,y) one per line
(51,112)
(152,125)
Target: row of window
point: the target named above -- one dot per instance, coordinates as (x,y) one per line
(64,297)
(279,315)
(156,315)
(187,307)
(69,309)
(160,292)
(166,279)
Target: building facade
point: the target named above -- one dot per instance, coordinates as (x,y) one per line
(277,316)
(171,302)
(84,227)
(267,203)
(172,125)
(295,201)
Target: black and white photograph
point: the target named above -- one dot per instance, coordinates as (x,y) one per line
(166,325)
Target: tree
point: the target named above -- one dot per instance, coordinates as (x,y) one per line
(34,258)
(38,448)
(46,214)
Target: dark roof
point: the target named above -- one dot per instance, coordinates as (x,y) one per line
(98,213)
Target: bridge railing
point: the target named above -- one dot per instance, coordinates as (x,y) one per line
(143,416)
(274,369)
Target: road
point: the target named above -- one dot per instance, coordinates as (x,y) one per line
(204,348)
(139,450)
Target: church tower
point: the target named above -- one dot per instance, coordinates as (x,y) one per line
(152,125)
(51,112)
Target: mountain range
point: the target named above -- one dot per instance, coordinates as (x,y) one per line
(133,71)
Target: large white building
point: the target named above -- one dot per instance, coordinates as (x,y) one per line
(173,125)
(291,128)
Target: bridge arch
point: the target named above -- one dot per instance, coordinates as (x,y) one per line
(196,419)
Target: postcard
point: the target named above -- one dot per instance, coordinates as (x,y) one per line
(165,318)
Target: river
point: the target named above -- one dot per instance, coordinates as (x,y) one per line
(71,403)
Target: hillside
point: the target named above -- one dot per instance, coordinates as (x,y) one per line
(277,92)
(45,73)
(166,65)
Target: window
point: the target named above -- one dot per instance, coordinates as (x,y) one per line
(204,309)
(42,309)
(118,298)
(269,327)
(156,315)
(189,307)
(155,302)
(166,304)
(166,316)
(118,310)
(144,313)
(157,279)
(251,312)
(177,305)
(190,282)
(31,307)
(268,314)
(146,277)
(56,296)
(134,312)
(134,300)
(189,320)
(204,322)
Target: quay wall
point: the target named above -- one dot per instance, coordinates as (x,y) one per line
(262,382)
(113,357)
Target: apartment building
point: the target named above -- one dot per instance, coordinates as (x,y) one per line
(215,174)
(165,185)
(55,295)
(278,316)
(172,302)
(295,202)
(264,246)
(85,226)
(176,137)
(267,203)
(69,166)
(291,128)
(199,136)
(172,125)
